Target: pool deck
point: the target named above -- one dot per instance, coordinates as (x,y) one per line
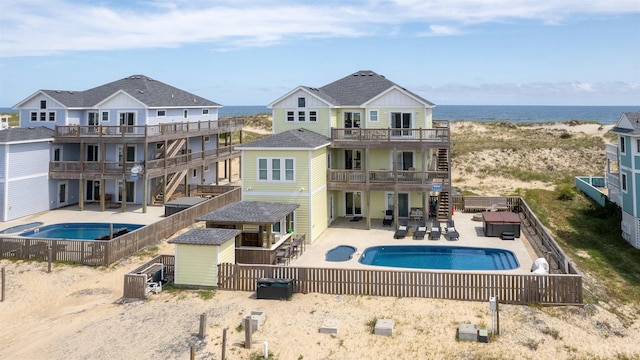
(91,213)
(345,232)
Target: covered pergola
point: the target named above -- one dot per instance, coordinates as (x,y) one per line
(257,243)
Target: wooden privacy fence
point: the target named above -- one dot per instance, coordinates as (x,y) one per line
(509,288)
(135,282)
(102,253)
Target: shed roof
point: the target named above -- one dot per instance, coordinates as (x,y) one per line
(205,236)
(250,212)
(25,134)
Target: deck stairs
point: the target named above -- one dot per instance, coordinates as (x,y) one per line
(173,181)
(443,197)
(172,150)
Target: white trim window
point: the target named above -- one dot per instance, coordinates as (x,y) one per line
(313,116)
(276,169)
(34,116)
(623,149)
(161,113)
(638,145)
(52,116)
(186,113)
(105,116)
(623,181)
(205,111)
(373,115)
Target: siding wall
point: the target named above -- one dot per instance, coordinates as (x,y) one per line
(319,219)
(3,199)
(280,123)
(250,172)
(196,265)
(3,154)
(27,196)
(227,252)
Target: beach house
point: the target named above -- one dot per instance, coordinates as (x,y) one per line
(623,174)
(135,140)
(358,148)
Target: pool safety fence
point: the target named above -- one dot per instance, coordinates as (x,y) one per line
(554,289)
(106,252)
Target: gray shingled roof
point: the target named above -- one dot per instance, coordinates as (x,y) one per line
(291,139)
(25,134)
(357,89)
(205,236)
(250,212)
(634,119)
(150,92)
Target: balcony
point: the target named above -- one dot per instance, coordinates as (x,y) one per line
(73,133)
(386,179)
(152,168)
(435,137)
(611,152)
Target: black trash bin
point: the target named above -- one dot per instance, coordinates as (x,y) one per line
(274,289)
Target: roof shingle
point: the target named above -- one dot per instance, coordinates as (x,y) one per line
(250,212)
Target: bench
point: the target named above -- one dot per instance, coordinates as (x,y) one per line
(472,204)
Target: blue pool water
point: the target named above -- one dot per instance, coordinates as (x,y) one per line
(77,231)
(440,257)
(340,253)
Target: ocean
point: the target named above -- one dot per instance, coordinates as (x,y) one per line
(512,113)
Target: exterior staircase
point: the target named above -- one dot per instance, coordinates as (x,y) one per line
(173,180)
(443,198)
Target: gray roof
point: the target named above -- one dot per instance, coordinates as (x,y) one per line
(25,134)
(205,236)
(295,138)
(150,92)
(634,119)
(250,212)
(358,88)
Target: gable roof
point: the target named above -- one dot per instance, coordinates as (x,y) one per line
(14,135)
(249,212)
(629,124)
(290,139)
(148,91)
(357,89)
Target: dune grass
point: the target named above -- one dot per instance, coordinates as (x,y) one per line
(590,235)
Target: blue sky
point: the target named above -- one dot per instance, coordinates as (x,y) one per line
(241,52)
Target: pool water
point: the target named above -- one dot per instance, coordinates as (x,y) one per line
(440,257)
(77,231)
(340,253)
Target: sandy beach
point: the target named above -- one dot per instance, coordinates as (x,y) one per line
(74,312)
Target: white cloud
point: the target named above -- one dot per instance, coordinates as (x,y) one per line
(43,27)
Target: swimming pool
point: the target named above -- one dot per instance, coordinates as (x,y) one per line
(440,257)
(340,253)
(77,231)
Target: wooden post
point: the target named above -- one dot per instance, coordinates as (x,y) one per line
(498,315)
(49,259)
(224,343)
(203,325)
(247,332)
(2,297)
(192,353)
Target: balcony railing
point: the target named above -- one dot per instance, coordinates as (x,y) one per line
(385,176)
(111,167)
(611,152)
(125,131)
(435,135)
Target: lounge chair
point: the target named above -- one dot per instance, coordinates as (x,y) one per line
(450,231)
(421,231)
(435,231)
(388,218)
(402,231)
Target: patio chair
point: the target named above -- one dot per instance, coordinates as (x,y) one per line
(450,231)
(402,231)
(421,231)
(435,231)
(283,255)
(388,218)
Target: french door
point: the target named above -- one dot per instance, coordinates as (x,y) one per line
(353,203)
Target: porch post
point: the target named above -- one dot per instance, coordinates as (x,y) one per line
(80,193)
(102,197)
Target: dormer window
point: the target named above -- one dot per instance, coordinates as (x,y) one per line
(301,102)
(43,104)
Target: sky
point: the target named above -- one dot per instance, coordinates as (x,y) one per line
(242,52)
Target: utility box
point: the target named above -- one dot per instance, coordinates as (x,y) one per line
(468,332)
(493,304)
(274,289)
(483,336)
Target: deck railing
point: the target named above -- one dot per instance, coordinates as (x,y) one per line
(384,176)
(142,131)
(513,289)
(102,253)
(438,135)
